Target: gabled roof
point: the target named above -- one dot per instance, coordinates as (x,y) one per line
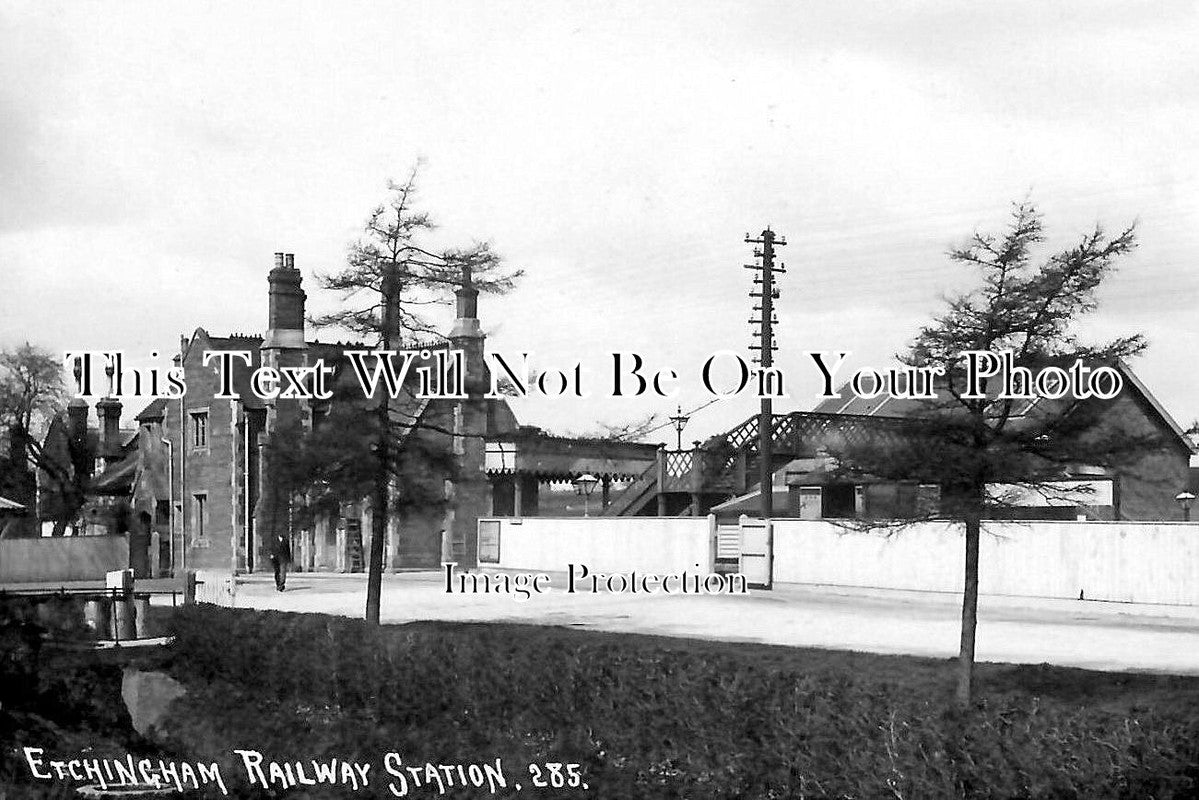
(847,402)
(155,410)
(1131,378)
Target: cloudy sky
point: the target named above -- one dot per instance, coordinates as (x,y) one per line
(153,157)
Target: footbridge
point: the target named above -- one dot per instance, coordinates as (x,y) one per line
(726,466)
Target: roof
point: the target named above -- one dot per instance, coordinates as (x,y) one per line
(751,504)
(10,505)
(885,405)
(1157,407)
(118,478)
(124,435)
(155,410)
(241,371)
(406,408)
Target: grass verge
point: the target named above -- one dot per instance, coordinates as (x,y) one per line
(642,716)
(654,717)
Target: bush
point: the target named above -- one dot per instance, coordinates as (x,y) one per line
(654,718)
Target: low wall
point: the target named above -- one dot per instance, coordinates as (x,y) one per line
(925,557)
(62,558)
(1137,562)
(661,545)
(1134,562)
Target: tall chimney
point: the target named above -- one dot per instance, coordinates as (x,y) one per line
(467,322)
(81,455)
(285,326)
(77,418)
(109,411)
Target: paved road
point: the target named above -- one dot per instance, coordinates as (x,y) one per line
(1095,635)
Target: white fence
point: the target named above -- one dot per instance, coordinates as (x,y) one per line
(603,544)
(926,557)
(1136,562)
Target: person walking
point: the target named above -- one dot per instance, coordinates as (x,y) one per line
(280,560)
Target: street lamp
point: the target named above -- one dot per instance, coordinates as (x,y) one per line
(584,486)
(1185,499)
(679,421)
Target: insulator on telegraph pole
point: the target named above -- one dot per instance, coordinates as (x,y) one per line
(765,347)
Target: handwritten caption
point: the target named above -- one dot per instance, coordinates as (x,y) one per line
(398,778)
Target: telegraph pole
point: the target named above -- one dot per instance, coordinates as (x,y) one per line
(767,293)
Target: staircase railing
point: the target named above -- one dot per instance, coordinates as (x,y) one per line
(725,464)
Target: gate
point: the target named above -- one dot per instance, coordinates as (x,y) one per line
(727,555)
(757,553)
(215,587)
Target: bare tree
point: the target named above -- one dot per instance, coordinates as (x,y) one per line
(31,388)
(630,431)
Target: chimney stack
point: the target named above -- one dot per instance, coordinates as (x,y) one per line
(467,322)
(108,410)
(285,324)
(77,411)
(77,418)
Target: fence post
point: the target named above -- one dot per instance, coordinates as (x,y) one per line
(712,543)
(189,587)
(661,480)
(141,615)
(95,615)
(696,478)
(123,625)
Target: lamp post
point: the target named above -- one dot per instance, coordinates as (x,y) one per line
(585,485)
(679,421)
(1184,499)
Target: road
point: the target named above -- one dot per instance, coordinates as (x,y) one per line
(1093,635)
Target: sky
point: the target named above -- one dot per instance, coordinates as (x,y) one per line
(154,156)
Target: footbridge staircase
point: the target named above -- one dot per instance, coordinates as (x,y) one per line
(725,466)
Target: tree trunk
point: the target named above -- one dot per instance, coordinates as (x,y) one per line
(381,505)
(379,514)
(965,689)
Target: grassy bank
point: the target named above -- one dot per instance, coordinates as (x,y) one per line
(651,717)
(643,717)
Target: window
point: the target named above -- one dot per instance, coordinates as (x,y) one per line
(928,499)
(810,502)
(200,516)
(837,501)
(199,429)
(162,513)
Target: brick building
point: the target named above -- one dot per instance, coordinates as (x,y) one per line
(218,472)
